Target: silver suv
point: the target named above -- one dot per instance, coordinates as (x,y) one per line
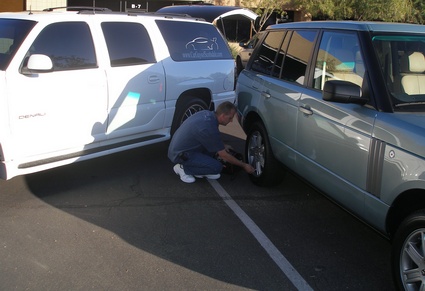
(342,104)
(79,85)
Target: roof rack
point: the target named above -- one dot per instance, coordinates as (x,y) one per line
(103,10)
(136,13)
(79,8)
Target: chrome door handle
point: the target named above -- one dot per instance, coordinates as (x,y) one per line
(306,110)
(153,79)
(266,94)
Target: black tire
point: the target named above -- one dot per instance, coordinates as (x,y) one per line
(239,66)
(185,110)
(258,153)
(408,253)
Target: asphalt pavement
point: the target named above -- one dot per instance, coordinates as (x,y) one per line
(126,222)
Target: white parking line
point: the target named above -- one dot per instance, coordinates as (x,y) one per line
(268,246)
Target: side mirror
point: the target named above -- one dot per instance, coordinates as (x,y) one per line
(39,64)
(242,44)
(343,92)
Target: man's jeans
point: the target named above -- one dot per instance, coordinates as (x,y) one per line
(200,164)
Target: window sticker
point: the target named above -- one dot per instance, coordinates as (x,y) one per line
(189,41)
(201,48)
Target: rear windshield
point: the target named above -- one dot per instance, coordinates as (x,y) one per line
(12,34)
(188,41)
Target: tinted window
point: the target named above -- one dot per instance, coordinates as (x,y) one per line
(12,34)
(253,41)
(188,41)
(280,56)
(128,43)
(402,63)
(266,56)
(68,44)
(339,58)
(297,56)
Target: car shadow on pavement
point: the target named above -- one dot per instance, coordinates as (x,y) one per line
(132,214)
(137,196)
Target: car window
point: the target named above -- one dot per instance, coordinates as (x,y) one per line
(12,33)
(285,54)
(297,55)
(265,59)
(280,55)
(128,43)
(253,41)
(402,63)
(339,58)
(189,41)
(68,44)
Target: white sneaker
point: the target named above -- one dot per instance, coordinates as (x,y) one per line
(212,176)
(178,169)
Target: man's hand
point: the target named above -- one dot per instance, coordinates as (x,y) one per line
(248,168)
(223,154)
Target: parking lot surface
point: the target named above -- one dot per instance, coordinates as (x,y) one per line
(127,222)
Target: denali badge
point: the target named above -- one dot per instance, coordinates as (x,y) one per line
(31,115)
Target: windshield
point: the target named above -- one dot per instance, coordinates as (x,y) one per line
(402,64)
(12,34)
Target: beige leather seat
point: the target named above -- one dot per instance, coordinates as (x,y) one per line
(413,82)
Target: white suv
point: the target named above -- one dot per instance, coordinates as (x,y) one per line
(79,85)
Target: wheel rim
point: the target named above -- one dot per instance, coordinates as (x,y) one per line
(256,153)
(412,261)
(190,111)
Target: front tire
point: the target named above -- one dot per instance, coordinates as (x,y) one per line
(408,253)
(258,153)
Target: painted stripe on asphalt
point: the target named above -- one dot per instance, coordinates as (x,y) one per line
(268,246)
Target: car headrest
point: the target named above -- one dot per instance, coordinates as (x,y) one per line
(416,62)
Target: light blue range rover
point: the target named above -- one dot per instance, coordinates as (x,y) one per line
(342,104)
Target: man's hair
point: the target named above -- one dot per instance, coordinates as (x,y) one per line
(225,108)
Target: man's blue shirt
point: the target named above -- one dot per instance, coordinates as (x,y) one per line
(198,133)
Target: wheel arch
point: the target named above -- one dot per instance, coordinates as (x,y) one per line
(250,119)
(190,97)
(404,205)
(201,93)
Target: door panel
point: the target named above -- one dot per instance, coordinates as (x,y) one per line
(61,110)
(282,87)
(136,81)
(137,99)
(333,139)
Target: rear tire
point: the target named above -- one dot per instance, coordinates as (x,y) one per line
(408,253)
(186,110)
(258,153)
